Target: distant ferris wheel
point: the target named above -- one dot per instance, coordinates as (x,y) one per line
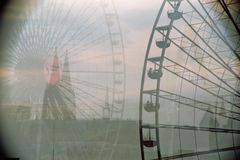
(83,41)
(65,59)
(189,97)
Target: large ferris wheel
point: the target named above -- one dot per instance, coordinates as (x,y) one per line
(189,97)
(65,63)
(83,40)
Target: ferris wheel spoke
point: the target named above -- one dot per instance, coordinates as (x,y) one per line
(208,90)
(74,51)
(90,44)
(13,40)
(203,106)
(19,46)
(12,61)
(47,36)
(41,29)
(68,89)
(28,42)
(96,113)
(22,89)
(91,97)
(200,153)
(90,58)
(66,32)
(92,71)
(79,31)
(82,112)
(82,29)
(215,28)
(25,34)
(225,6)
(222,63)
(193,76)
(200,63)
(23,45)
(85,103)
(194,128)
(32,30)
(92,85)
(79,36)
(200,104)
(50,34)
(32,24)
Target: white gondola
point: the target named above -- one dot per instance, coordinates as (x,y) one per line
(163,44)
(150,107)
(162,28)
(155,59)
(175,15)
(149,142)
(154,73)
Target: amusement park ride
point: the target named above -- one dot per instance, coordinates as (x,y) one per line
(189,97)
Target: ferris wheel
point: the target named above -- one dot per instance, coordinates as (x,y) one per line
(189,97)
(65,59)
(83,40)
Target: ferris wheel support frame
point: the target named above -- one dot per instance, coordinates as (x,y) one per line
(224,6)
(143,79)
(158,80)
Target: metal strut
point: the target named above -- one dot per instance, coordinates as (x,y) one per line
(225,7)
